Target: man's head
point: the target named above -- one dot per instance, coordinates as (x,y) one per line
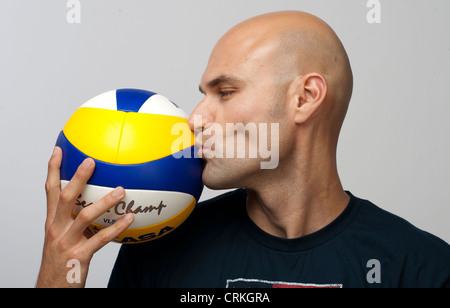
(288,68)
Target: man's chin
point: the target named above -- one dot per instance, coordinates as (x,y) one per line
(215,181)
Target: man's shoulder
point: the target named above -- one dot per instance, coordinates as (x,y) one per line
(396,233)
(394,226)
(410,256)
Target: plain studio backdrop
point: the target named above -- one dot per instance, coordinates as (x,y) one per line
(394,148)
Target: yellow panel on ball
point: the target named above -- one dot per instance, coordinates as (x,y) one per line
(148,137)
(124,138)
(96,132)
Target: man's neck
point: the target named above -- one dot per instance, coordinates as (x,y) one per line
(299,203)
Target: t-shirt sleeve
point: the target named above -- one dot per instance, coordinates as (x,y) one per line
(430,262)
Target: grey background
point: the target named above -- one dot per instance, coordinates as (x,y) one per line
(394,148)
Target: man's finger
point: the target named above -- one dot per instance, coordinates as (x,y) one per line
(106,235)
(73,189)
(53,185)
(92,212)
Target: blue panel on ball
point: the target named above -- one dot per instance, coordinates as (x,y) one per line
(131,100)
(170,174)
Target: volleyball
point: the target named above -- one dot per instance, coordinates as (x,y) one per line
(141,141)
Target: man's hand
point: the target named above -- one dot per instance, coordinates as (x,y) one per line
(64,237)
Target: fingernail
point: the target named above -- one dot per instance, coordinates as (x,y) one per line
(129,217)
(87,163)
(55,151)
(118,192)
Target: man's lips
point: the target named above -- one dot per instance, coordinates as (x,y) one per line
(200,152)
(201,149)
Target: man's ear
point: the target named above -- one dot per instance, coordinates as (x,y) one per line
(308,92)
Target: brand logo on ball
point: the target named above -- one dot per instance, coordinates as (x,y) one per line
(123,208)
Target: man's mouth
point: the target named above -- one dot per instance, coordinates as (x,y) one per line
(200,152)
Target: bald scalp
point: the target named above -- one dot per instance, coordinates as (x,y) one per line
(297,43)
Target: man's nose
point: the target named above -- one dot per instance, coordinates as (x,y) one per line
(201,116)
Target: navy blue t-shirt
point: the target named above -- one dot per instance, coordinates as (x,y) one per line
(219,246)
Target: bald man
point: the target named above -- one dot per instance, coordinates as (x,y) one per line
(289,226)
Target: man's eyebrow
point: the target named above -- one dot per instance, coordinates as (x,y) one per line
(219,80)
